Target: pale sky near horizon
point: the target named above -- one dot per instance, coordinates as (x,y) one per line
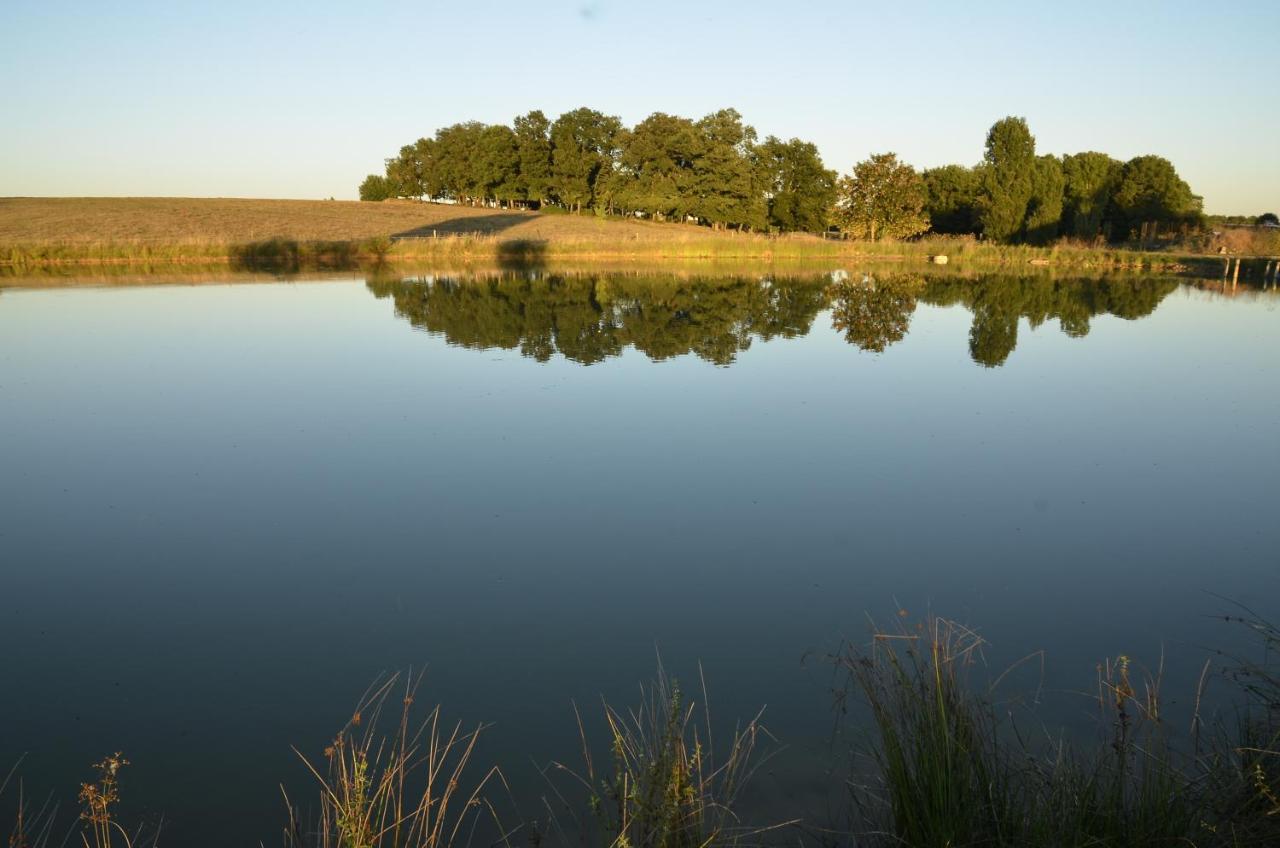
(266,99)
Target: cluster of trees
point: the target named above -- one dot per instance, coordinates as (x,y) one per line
(589,318)
(1016,195)
(714,170)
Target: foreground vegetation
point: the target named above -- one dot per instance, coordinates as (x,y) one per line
(944,766)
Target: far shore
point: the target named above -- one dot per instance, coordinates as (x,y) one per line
(338,235)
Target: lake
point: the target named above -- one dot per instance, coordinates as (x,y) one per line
(227,507)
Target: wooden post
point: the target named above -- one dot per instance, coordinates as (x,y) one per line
(1235,278)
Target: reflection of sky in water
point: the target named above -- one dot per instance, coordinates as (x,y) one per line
(225,509)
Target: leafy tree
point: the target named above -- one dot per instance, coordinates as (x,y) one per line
(458,152)
(1008,172)
(584,144)
(1091,180)
(1150,191)
(723,183)
(1044,211)
(498,164)
(1268,218)
(882,198)
(656,170)
(797,189)
(376,187)
(404,173)
(533,146)
(951,199)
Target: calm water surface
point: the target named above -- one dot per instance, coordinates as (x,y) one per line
(224,509)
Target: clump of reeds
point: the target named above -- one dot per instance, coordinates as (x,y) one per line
(407,787)
(663,786)
(951,769)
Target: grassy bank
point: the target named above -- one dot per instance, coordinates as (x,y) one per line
(249,234)
(947,762)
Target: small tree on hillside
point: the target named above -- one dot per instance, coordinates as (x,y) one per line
(376,187)
(882,198)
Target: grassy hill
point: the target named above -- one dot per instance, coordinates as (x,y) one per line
(171,220)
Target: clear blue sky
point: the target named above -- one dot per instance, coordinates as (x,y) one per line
(303,99)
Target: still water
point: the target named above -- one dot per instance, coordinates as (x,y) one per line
(226,508)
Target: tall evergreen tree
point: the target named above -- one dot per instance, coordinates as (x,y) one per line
(1008,170)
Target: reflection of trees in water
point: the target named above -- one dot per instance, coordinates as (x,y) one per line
(875,311)
(999,301)
(589,318)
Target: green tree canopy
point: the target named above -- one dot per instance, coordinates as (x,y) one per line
(723,174)
(1091,180)
(583,145)
(1008,173)
(1150,191)
(951,199)
(1044,210)
(376,187)
(797,188)
(533,150)
(656,171)
(882,198)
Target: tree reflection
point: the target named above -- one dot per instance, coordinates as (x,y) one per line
(999,302)
(588,318)
(875,311)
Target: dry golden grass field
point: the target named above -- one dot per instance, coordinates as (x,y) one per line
(168,220)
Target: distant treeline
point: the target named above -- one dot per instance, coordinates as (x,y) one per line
(717,172)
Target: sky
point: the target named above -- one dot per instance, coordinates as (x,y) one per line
(302,100)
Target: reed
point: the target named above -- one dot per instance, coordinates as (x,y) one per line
(405,788)
(663,787)
(948,768)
